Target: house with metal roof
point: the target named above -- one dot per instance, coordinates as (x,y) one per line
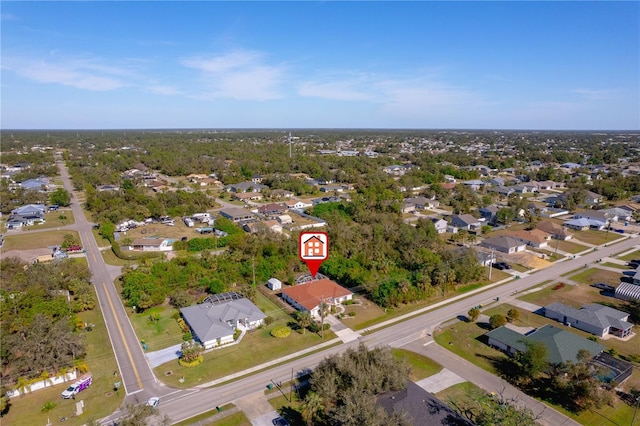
(151,244)
(596,319)
(214,322)
(627,291)
(583,224)
(562,345)
(35,184)
(465,221)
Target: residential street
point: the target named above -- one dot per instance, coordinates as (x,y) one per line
(411,331)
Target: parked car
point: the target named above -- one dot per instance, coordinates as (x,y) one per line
(153,402)
(501,265)
(633,264)
(279,421)
(603,286)
(77,387)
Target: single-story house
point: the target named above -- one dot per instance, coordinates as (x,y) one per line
(281,193)
(309,296)
(272,209)
(596,319)
(465,221)
(151,244)
(108,188)
(556,231)
(245,187)
(35,184)
(504,244)
(284,219)
(485,259)
(237,214)
(297,205)
(534,238)
(30,209)
(332,188)
(247,196)
(562,345)
(489,213)
(214,324)
(254,227)
(420,407)
(474,184)
(440,225)
(505,191)
(616,214)
(598,215)
(583,224)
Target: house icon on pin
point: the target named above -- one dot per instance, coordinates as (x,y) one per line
(313,247)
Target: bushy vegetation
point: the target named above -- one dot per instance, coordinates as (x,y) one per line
(40,333)
(281,332)
(344,388)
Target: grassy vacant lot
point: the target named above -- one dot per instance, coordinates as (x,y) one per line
(572,295)
(568,246)
(161,332)
(465,340)
(596,275)
(158,230)
(36,240)
(597,237)
(100,400)
(55,219)
(615,265)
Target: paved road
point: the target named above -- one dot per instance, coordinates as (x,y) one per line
(139,381)
(135,373)
(412,333)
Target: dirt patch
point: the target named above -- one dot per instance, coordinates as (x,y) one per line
(28,256)
(529,260)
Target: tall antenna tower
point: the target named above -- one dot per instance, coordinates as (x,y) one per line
(289,144)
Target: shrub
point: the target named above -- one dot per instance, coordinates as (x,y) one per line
(497,320)
(48,406)
(187,336)
(558,286)
(281,332)
(473,314)
(268,321)
(237,334)
(347,302)
(193,363)
(513,315)
(352,313)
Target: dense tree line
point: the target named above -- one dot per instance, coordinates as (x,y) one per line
(40,330)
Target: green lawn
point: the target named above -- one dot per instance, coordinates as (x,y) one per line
(630,256)
(160,333)
(464,338)
(36,240)
(235,419)
(597,237)
(567,246)
(100,400)
(421,366)
(615,265)
(256,347)
(53,220)
(595,275)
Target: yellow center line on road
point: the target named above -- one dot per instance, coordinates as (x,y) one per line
(126,347)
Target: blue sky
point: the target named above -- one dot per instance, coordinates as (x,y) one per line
(464,65)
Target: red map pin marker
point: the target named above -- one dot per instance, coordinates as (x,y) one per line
(313,249)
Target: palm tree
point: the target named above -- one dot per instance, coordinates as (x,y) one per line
(304,320)
(311,406)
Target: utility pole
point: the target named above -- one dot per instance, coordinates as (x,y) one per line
(491,264)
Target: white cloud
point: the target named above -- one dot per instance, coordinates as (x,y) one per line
(238,75)
(84,74)
(8,17)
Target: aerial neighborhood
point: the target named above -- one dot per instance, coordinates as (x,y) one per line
(190,240)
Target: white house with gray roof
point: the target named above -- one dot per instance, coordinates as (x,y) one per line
(214,324)
(596,319)
(504,244)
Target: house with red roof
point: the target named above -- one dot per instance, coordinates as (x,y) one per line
(309,296)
